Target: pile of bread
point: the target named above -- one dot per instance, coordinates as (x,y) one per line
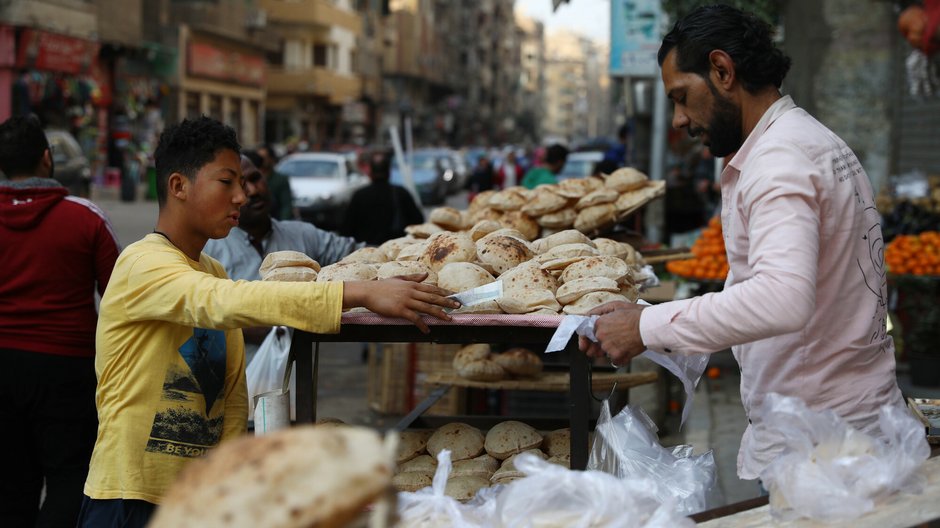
(478,362)
(477,460)
(563,272)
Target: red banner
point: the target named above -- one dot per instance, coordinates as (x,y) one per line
(7,45)
(52,52)
(206,60)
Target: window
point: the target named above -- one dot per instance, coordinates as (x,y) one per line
(192,105)
(320,55)
(215,107)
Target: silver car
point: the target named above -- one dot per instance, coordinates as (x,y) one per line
(322,184)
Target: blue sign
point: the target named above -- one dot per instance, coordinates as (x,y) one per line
(635,36)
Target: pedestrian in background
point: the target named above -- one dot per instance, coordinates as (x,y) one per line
(380,211)
(56,250)
(555,158)
(282,198)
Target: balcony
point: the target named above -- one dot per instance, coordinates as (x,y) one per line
(312,12)
(321,82)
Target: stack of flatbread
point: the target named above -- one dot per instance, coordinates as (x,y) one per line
(477,362)
(288,266)
(278,480)
(477,460)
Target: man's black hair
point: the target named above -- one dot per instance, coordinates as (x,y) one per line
(188,146)
(556,153)
(380,165)
(747,39)
(22,145)
(254,158)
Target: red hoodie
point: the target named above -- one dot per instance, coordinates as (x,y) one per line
(54,248)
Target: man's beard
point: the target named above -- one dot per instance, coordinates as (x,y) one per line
(724,128)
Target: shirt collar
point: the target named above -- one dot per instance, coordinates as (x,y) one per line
(780,107)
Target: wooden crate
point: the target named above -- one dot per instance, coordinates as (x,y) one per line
(397,374)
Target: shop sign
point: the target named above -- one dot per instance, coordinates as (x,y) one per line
(635,36)
(206,60)
(41,50)
(7,41)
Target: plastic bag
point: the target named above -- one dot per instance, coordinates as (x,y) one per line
(830,471)
(552,496)
(430,507)
(626,446)
(266,371)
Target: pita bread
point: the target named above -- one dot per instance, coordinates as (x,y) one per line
(347,271)
(594,183)
(486,213)
(545,202)
(368,255)
(503,252)
(411,444)
(603,266)
(507,200)
(423,230)
(613,248)
(654,189)
(630,291)
(508,468)
(481,466)
(507,231)
(464,488)
(598,197)
(577,288)
(412,481)
(548,231)
(595,217)
(481,370)
(463,441)
(510,437)
(483,228)
(568,236)
(399,268)
(561,219)
(449,247)
(480,201)
(528,276)
(419,464)
(574,188)
(592,300)
(527,301)
(557,442)
(412,252)
(447,217)
(556,266)
(521,222)
(475,352)
(519,362)
(625,179)
(291,274)
(568,251)
(277,480)
(286,259)
(629,201)
(462,276)
(488,307)
(394,246)
(561,460)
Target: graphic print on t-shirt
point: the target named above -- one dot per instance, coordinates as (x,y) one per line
(188,422)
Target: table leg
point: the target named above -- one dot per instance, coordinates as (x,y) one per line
(301,349)
(579,394)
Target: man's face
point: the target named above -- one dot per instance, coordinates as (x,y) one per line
(257,208)
(701,109)
(215,196)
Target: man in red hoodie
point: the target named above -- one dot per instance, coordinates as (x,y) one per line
(55,250)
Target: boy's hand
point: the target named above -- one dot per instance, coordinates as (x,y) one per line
(405,297)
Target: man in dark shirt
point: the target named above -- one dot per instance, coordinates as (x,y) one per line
(380,211)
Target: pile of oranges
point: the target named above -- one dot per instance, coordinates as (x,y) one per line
(710,262)
(914,254)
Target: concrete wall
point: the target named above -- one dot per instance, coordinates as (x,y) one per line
(843,72)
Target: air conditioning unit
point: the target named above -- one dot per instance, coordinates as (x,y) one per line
(256,19)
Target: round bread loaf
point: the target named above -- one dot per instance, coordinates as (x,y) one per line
(560,219)
(462,440)
(545,202)
(412,481)
(368,255)
(404,267)
(394,246)
(523,301)
(481,370)
(568,236)
(521,222)
(480,201)
(604,266)
(528,276)
(503,252)
(419,464)
(286,259)
(630,200)
(277,480)
(474,352)
(423,230)
(464,488)
(447,217)
(445,248)
(573,290)
(557,442)
(574,188)
(592,300)
(483,228)
(411,444)
(347,271)
(507,200)
(481,466)
(598,197)
(519,362)
(508,468)
(595,217)
(461,276)
(508,438)
(625,179)
(291,274)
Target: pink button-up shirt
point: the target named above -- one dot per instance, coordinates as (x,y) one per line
(804,304)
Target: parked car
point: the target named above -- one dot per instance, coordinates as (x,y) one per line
(432,171)
(71,166)
(580,165)
(322,184)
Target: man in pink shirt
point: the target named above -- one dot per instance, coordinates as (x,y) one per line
(804,304)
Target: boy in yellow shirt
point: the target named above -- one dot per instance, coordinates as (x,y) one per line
(170,355)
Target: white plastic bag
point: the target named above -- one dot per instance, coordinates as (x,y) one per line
(830,471)
(266,371)
(430,507)
(552,496)
(626,446)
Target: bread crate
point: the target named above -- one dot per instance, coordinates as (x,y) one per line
(396,377)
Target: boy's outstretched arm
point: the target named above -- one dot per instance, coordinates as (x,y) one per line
(405,297)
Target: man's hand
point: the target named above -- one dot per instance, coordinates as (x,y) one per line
(617,331)
(404,297)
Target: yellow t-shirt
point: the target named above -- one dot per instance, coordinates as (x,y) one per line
(170,361)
